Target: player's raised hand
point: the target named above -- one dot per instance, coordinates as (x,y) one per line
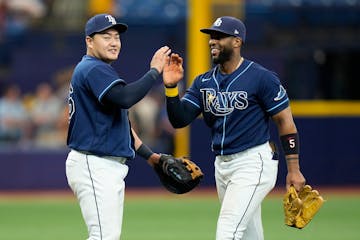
(174,71)
(160,58)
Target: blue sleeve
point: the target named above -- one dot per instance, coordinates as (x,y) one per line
(101,78)
(193,95)
(273,94)
(126,96)
(180,112)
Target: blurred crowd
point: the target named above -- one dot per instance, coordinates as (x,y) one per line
(39,120)
(17,17)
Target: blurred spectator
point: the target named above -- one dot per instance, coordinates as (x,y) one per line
(68,15)
(61,81)
(29,8)
(45,111)
(62,125)
(143,118)
(164,132)
(14,124)
(149,118)
(16,16)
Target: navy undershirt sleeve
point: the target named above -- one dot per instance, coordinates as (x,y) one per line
(180,112)
(126,96)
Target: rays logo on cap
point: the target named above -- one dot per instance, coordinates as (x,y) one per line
(218,22)
(227,25)
(111,19)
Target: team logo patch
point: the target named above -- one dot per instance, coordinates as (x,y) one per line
(281,94)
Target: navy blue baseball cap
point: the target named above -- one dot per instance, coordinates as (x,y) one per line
(228,25)
(101,22)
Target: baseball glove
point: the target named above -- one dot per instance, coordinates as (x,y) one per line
(178,175)
(301,207)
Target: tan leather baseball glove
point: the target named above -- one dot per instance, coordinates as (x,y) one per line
(301,207)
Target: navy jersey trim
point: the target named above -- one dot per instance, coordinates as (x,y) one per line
(242,72)
(214,76)
(223,136)
(278,105)
(131,144)
(192,102)
(107,89)
(225,117)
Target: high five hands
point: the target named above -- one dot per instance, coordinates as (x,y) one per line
(173,72)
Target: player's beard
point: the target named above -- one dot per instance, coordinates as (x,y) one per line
(224,56)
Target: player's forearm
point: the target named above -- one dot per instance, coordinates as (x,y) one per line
(285,122)
(143,150)
(179,113)
(127,95)
(137,140)
(292,162)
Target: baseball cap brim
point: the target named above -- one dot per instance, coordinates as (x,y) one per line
(212,30)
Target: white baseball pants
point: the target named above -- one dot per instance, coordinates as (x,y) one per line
(98,183)
(243,180)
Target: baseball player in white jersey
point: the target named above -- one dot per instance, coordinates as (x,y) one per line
(100,136)
(237,99)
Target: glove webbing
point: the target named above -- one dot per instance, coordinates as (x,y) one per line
(194,170)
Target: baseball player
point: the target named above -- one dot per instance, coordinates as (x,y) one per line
(100,136)
(237,98)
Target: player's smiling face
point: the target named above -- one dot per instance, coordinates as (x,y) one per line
(105,45)
(221,47)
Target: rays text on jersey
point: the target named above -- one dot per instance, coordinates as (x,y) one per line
(223,103)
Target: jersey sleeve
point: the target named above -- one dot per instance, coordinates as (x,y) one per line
(273,94)
(192,95)
(101,78)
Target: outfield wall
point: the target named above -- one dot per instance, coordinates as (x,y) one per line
(329,149)
(329,156)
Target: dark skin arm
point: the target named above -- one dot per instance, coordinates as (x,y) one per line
(285,125)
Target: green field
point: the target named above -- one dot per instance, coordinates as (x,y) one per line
(154,216)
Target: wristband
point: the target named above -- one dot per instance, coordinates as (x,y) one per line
(144,151)
(290,143)
(171,91)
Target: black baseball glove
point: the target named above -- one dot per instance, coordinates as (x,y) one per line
(178,175)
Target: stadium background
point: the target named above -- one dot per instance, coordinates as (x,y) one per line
(313,45)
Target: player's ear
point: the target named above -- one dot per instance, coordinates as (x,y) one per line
(89,41)
(237,42)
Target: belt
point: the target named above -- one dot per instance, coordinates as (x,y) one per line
(121,160)
(229,157)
